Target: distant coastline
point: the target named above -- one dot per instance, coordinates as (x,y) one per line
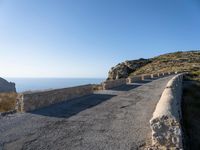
(34,84)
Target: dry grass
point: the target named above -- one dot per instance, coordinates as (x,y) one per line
(193,76)
(7,101)
(179,61)
(191,113)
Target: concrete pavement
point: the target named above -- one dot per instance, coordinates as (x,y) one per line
(116,119)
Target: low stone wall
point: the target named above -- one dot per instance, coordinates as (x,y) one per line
(160,74)
(147,76)
(177,72)
(166,74)
(165,123)
(155,75)
(134,79)
(35,100)
(113,83)
(169,73)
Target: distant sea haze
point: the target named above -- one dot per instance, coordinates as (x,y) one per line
(34,84)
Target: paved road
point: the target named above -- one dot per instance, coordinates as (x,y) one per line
(116,119)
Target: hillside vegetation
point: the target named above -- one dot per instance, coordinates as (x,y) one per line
(7,101)
(178,61)
(191,110)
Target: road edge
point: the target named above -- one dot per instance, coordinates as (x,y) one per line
(166,121)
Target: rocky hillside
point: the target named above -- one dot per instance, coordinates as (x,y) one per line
(124,69)
(178,61)
(6,86)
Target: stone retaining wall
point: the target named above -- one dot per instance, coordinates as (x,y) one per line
(165,73)
(134,79)
(34,100)
(165,123)
(147,76)
(113,83)
(155,75)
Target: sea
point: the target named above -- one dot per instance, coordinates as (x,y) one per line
(36,84)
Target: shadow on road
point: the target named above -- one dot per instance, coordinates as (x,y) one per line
(72,107)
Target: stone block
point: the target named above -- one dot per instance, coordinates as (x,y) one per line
(113,83)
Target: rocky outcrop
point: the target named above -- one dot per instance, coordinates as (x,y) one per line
(123,69)
(178,61)
(6,86)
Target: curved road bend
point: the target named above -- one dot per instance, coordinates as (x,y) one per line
(115,119)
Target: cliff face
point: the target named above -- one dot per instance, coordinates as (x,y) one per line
(6,86)
(178,61)
(123,69)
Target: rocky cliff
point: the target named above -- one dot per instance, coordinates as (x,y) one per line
(123,69)
(178,61)
(6,86)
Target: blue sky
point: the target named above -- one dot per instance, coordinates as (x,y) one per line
(85,38)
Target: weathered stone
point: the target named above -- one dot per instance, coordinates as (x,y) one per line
(134,79)
(165,123)
(123,69)
(6,86)
(147,76)
(34,100)
(113,83)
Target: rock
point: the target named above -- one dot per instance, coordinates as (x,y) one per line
(6,86)
(172,62)
(122,70)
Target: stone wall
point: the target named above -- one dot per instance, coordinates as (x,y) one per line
(147,76)
(34,100)
(155,75)
(159,74)
(165,74)
(109,84)
(165,123)
(170,73)
(6,86)
(134,79)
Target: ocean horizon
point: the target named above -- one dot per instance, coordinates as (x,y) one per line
(35,84)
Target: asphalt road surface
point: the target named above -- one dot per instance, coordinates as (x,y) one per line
(116,119)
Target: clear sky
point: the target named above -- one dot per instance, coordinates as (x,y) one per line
(85,38)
